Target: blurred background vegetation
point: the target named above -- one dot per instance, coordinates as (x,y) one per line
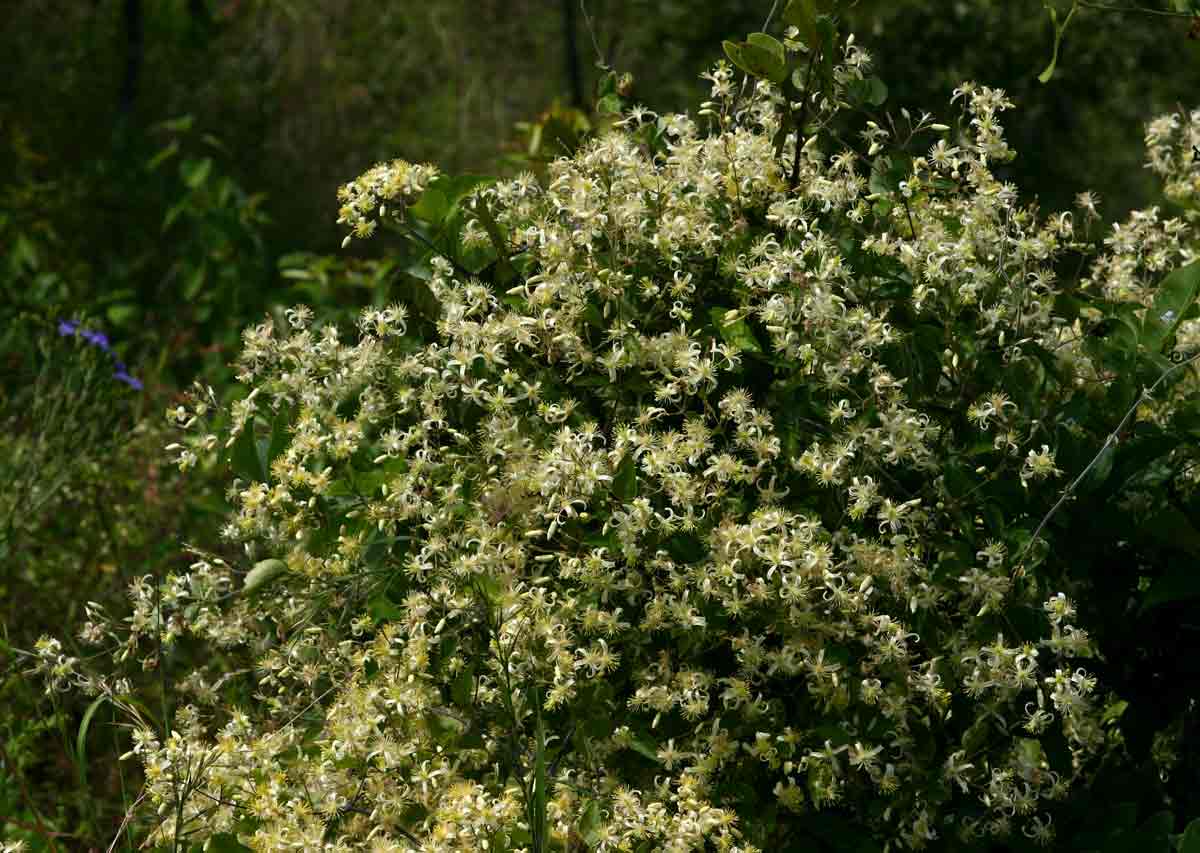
(168,171)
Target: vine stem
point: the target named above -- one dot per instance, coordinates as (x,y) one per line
(812,61)
(1111,441)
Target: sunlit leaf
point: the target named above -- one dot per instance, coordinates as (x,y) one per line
(1174,297)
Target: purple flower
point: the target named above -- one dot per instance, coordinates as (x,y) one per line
(132,382)
(67,328)
(97,339)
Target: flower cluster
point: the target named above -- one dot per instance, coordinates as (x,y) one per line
(368,197)
(1173,153)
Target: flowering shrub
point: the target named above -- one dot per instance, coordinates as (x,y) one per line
(709,502)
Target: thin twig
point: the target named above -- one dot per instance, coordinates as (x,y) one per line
(125,821)
(305,709)
(1132,10)
(587,21)
(770,16)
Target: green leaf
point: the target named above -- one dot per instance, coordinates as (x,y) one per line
(194,282)
(81,736)
(458,187)
(280,437)
(1170,528)
(977,734)
(1139,459)
(1179,583)
(886,175)
(772,46)
(421,268)
(607,84)
(443,197)
(181,124)
(243,456)
(263,573)
(589,823)
(733,50)
(432,206)
(122,314)
(802,14)
(462,689)
(25,254)
(162,156)
(624,487)
(225,842)
(609,105)
(868,92)
(195,172)
(642,748)
(251,456)
(488,221)
(737,333)
(475,259)
(383,609)
(1100,471)
(879,91)
(593,317)
(1174,297)
(212,142)
(1189,841)
(1019,539)
(175,211)
(1119,332)
(756,60)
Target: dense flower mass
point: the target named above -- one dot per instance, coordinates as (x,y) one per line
(672,529)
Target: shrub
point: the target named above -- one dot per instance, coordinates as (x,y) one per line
(715,499)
